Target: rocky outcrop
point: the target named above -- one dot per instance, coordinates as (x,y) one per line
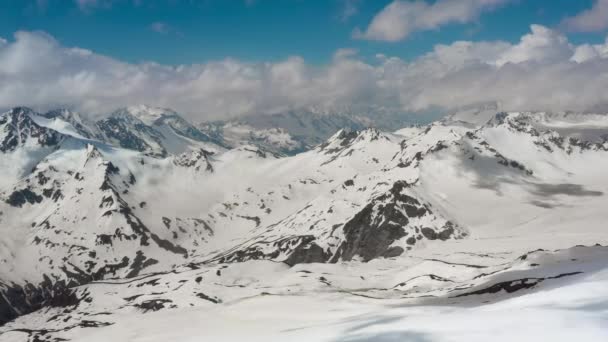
(391,217)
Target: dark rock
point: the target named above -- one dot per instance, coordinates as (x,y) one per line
(153,305)
(429,233)
(306,254)
(205,297)
(19,197)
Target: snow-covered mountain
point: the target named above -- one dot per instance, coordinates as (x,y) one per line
(70,123)
(142,226)
(154,131)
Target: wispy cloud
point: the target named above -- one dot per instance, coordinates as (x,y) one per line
(160,27)
(349,9)
(86,5)
(401,18)
(594,19)
(90,5)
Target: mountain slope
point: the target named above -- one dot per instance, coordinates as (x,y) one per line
(23,143)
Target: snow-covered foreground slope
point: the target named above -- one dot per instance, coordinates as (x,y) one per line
(555,295)
(447,232)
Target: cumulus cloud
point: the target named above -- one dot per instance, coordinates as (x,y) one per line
(542,45)
(594,19)
(587,52)
(543,71)
(400,18)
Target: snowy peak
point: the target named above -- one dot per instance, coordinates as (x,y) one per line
(345,139)
(70,123)
(199,160)
(159,117)
(155,131)
(17,128)
(147,114)
(553,131)
(127,131)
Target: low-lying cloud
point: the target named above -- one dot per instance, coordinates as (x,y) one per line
(544,71)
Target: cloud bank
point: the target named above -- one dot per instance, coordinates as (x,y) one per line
(543,71)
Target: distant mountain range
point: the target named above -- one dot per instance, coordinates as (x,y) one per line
(299,130)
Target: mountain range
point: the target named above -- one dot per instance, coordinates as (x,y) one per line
(199,226)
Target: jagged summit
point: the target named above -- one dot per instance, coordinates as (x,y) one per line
(18,128)
(156,131)
(148,114)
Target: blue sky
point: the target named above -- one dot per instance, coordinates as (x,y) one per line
(194,31)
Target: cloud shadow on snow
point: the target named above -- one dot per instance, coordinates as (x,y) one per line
(357,334)
(491,175)
(390,336)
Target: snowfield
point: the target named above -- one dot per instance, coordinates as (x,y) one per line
(141,227)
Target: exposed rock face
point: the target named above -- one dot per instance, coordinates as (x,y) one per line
(17,127)
(84,230)
(386,227)
(261,250)
(129,132)
(306,254)
(17,300)
(387,219)
(198,160)
(20,197)
(158,132)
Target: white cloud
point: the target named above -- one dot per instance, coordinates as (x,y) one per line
(542,71)
(345,53)
(542,44)
(587,52)
(594,19)
(400,18)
